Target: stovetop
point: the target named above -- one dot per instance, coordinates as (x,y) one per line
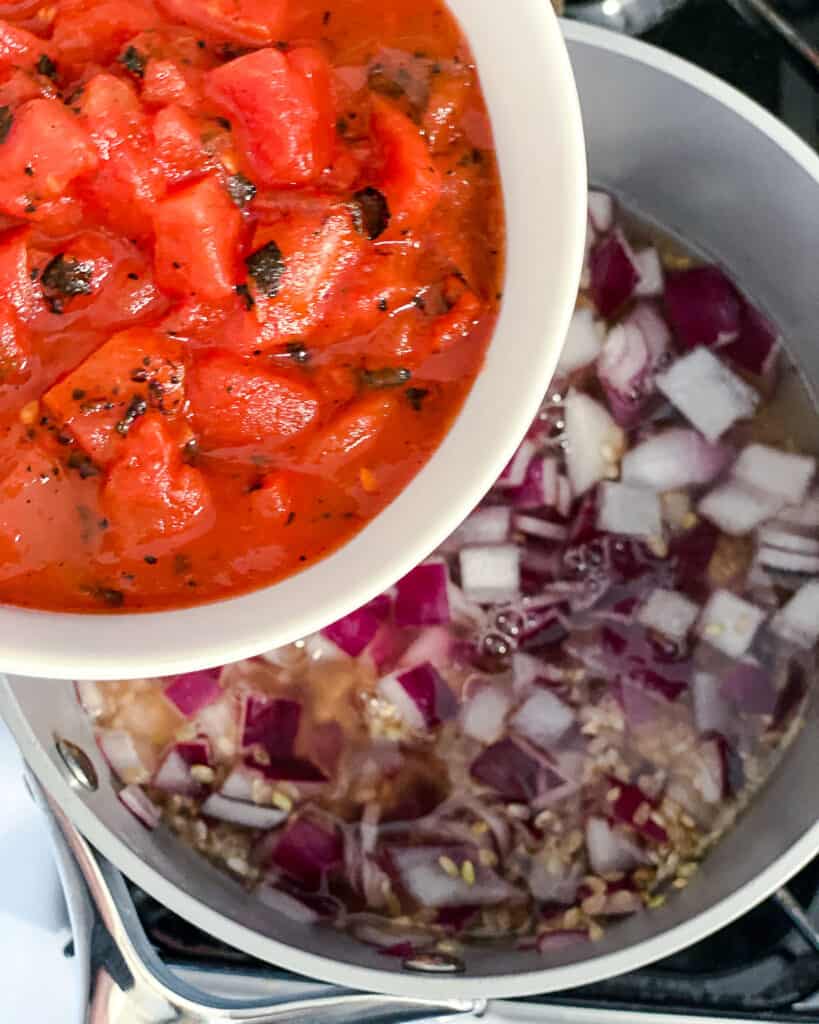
(761,965)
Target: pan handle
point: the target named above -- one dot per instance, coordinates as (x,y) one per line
(128,981)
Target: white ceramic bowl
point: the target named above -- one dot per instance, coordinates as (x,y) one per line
(535,114)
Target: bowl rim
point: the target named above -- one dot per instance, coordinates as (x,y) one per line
(102,645)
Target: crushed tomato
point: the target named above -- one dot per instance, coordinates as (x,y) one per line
(250,254)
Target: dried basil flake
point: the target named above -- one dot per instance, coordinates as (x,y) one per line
(68,276)
(241,189)
(6,121)
(46,66)
(371,212)
(134,61)
(387,377)
(266,267)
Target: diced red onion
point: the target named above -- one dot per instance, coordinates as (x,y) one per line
(594,442)
(433,645)
(513,474)
(624,369)
(195,690)
(668,612)
(286,904)
(271,724)
(354,631)
(601,211)
(707,393)
(614,276)
(239,784)
(583,343)
(713,712)
(738,509)
(487,525)
(220,720)
(549,479)
(756,349)
(798,620)
(141,806)
(91,697)
(535,527)
(779,473)
(307,850)
(125,760)
(526,670)
(628,806)
(531,493)
(557,941)
(788,561)
(650,268)
(386,647)
(709,779)
(505,768)
(543,719)
(553,887)
(319,647)
(490,573)
(424,878)
(387,938)
(564,496)
(780,536)
(609,850)
(632,511)
(174,776)
(420,695)
(240,812)
(750,689)
(655,331)
(290,769)
(729,623)
(703,307)
(483,715)
(805,516)
(422,596)
(673,459)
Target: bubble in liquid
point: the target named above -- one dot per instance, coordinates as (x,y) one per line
(496,646)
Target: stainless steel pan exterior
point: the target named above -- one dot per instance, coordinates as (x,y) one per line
(695,156)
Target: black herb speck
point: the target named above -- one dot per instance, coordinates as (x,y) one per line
(416,396)
(342,126)
(133,276)
(46,66)
(108,595)
(387,377)
(266,267)
(382,305)
(201,44)
(241,189)
(297,352)
(83,464)
(134,61)
(6,121)
(136,407)
(28,170)
(35,273)
(182,564)
(55,303)
(371,212)
(380,81)
(419,302)
(103,524)
(30,208)
(190,450)
(243,292)
(302,558)
(68,276)
(223,123)
(151,559)
(325,18)
(78,394)
(290,519)
(177,265)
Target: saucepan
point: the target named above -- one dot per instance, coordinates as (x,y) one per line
(688,152)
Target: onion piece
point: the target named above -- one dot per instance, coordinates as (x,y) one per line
(541,528)
(594,442)
(434,876)
(422,596)
(487,525)
(420,695)
(729,623)
(91,697)
(483,715)
(624,370)
(703,307)
(757,347)
(490,573)
(779,473)
(513,474)
(707,393)
(174,776)
(194,690)
(240,812)
(614,275)
(738,509)
(750,689)
(673,459)
(434,645)
(788,561)
(601,211)
(270,724)
(628,510)
(805,516)
(655,331)
(307,850)
(629,807)
(542,719)
(562,938)
(141,806)
(290,769)
(126,760)
(668,612)
(609,849)
(240,783)
(777,536)
(355,631)
(798,620)
(550,887)
(287,904)
(712,710)
(508,770)
(584,340)
(650,268)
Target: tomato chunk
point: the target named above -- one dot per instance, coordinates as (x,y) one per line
(274,498)
(21,49)
(132,373)
(353,432)
(45,150)
(235,404)
(94,31)
(177,137)
(408,177)
(151,494)
(317,251)
(254,22)
(283,104)
(165,82)
(129,182)
(14,345)
(15,274)
(197,233)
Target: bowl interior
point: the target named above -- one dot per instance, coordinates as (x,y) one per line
(533,106)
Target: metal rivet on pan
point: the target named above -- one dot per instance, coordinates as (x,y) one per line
(434,963)
(77,764)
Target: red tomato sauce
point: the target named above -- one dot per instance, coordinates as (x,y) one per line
(250,258)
